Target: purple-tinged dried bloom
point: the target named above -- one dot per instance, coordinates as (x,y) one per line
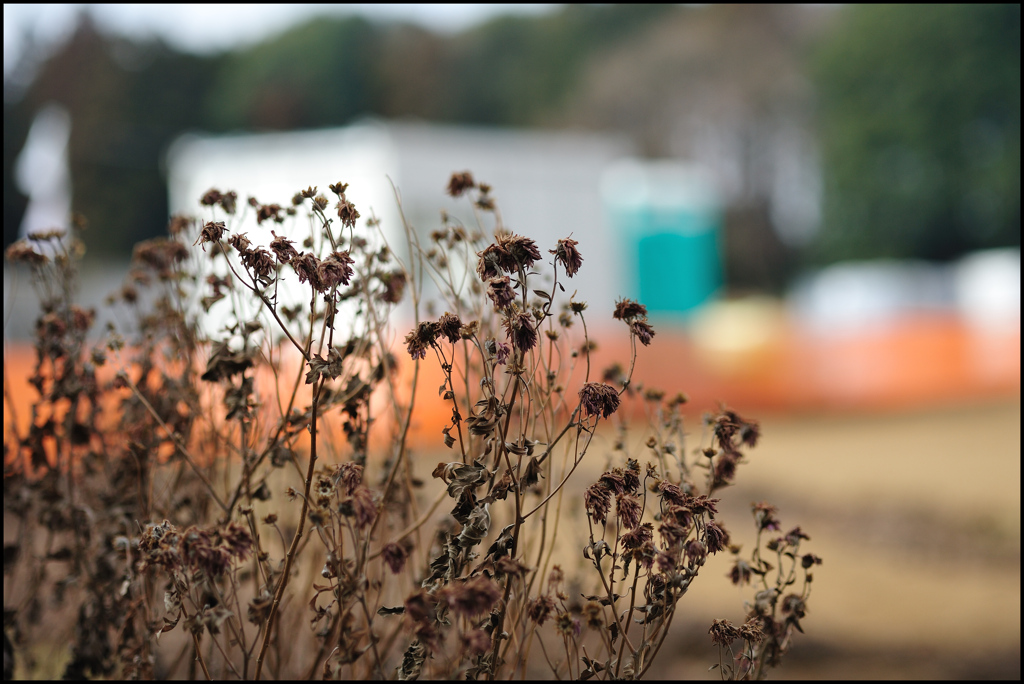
(567,625)
(335,270)
(740,573)
(643,331)
(517,251)
(808,560)
(672,532)
(472,597)
(394,556)
(666,562)
(501,353)
(672,494)
(764,516)
(305,266)
(363,507)
(420,339)
(449,326)
(723,632)
(538,609)
(460,183)
(614,481)
(637,537)
(599,399)
(567,253)
(490,262)
(794,536)
(716,537)
(350,475)
(282,247)
(237,540)
(696,553)
(627,309)
(703,504)
(199,551)
(520,331)
(629,510)
(394,285)
(631,476)
(476,641)
(500,291)
(210,198)
(258,261)
(347,212)
(598,502)
(725,469)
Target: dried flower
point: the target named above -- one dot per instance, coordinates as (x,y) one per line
(520,331)
(598,399)
(500,291)
(282,247)
(305,266)
(419,339)
(517,251)
(460,183)
(472,597)
(538,609)
(335,270)
(597,500)
(347,212)
(212,231)
(394,556)
(568,255)
(723,632)
(643,331)
(629,510)
(716,537)
(627,310)
(449,326)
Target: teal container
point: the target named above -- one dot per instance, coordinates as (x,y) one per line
(667,219)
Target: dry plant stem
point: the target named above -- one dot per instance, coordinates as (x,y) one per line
(515,536)
(177,441)
(290,557)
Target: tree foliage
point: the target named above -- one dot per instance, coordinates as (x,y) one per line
(920,124)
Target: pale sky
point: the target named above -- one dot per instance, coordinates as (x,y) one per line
(211,28)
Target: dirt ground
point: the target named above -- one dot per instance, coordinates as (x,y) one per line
(917,518)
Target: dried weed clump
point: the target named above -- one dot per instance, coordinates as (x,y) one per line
(245,503)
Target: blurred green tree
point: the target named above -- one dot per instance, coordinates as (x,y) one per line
(920,131)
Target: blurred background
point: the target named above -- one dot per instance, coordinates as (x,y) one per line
(819,205)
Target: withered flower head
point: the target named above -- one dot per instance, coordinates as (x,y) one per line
(627,309)
(394,556)
(23,251)
(809,560)
(476,641)
(500,291)
(629,510)
(210,198)
(491,259)
(305,265)
(419,339)
(258,261)
(521,251)
(269,211)
(338,188)
(239,242)
(723,632)
(335,270)
(460,183)
(764,516)
(643,331)
(568,626)
(740,573)
(282,247)
(716,537)
(472,597)
(363,508)
(350,475)
(597,500)
(696,552)
(449,326)
(751,631)
(347,212)
(637,537)
(599,399)
(520,330)
(229,201)
(570,257)
(538,609)
(394,285)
